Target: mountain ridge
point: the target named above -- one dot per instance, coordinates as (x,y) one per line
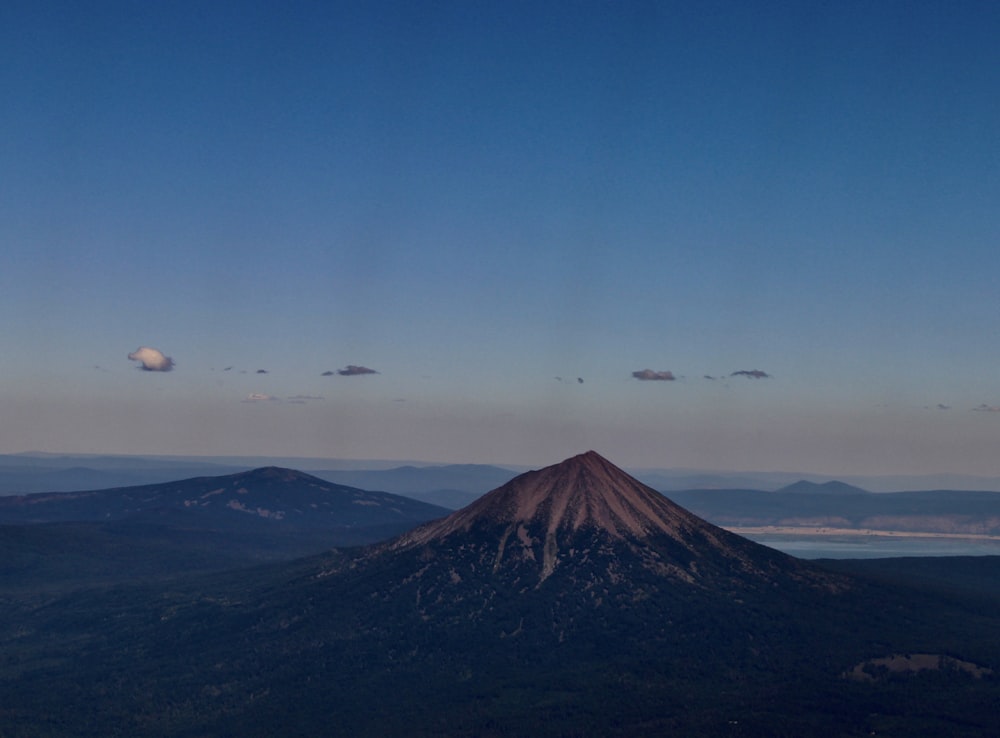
(275,494)
(833,487)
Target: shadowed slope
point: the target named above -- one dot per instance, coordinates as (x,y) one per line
(273,495)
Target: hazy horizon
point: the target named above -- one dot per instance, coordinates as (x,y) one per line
(666,478)
(716,237)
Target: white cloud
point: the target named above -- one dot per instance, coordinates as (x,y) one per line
(151,359)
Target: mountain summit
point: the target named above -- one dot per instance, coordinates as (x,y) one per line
(593,520)
(583,492)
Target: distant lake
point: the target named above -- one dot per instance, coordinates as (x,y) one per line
(875,547)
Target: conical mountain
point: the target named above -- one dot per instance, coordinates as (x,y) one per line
(583,492)
(586,512)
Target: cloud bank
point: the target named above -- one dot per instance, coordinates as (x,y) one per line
(151,359)
(648,375)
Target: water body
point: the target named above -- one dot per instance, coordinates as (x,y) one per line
(874,547)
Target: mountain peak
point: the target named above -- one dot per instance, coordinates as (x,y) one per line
(277,474)
(583,492)
(583,510)
(804,486)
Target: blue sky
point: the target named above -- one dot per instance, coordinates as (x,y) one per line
(484,203)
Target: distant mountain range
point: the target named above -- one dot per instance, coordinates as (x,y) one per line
(35,472)
(805,505)
(570,601)
(450,485)
(453,485)
(800,503)
(670,480)
(804,487)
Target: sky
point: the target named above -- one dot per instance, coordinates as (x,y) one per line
(719,235)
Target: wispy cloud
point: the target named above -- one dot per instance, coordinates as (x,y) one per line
(259,397)
(984,408)
(262,371)
(751,374)
(151,359)
(352,370)
(648,375)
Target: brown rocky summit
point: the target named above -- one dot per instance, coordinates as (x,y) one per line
(586,509)
(585,491)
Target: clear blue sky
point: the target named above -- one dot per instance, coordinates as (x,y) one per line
(483,202)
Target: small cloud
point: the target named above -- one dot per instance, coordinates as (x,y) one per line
(327,373)
(259,397)
(984,408)
(228,369)
(709,377)
(751,374)
(151,359)
(648,375)
(262,371)
(304,398)
(354,371)
(942,406)
(579,380)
